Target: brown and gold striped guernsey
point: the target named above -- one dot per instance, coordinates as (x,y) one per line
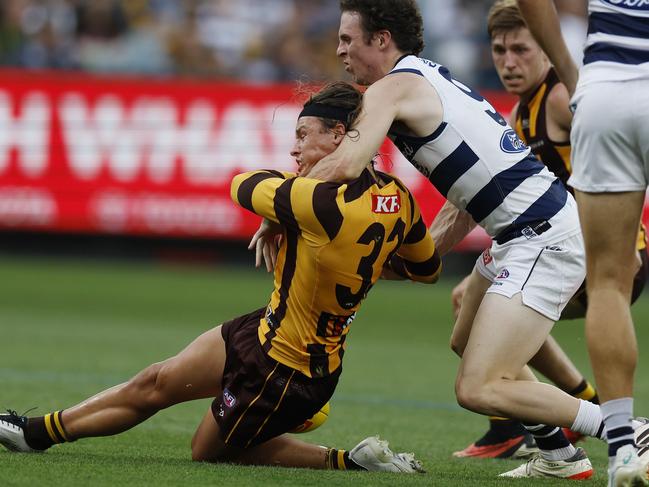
(337,239)
(532,128)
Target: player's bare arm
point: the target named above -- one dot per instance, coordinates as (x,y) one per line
(543,22)
(396,97)
(450,226)
(558,114)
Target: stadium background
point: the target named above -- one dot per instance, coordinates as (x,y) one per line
(121,124)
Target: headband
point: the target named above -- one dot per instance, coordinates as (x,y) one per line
(325,111)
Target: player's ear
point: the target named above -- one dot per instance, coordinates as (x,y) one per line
(339,133)
(383,37)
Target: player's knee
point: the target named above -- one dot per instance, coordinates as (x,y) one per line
(200,454)
(148,387)
(472,394)
(206,453)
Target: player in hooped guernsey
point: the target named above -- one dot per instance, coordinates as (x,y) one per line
(610,160)
(471,155)
(479,164)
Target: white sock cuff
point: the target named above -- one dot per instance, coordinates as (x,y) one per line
(588,419)
(618,412)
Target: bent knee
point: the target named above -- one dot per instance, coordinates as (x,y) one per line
(474,395)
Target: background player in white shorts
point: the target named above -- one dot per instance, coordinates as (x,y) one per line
(610,161)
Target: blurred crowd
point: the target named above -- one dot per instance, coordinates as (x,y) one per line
(251,40)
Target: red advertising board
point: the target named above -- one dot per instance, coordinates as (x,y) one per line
(151,157)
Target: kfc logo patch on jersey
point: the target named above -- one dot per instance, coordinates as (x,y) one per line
(388,203)
(228,398)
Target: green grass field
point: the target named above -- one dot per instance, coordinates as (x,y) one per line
(71,328)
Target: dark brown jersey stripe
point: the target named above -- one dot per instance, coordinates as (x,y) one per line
(244,194)
(319,359)
(287,275)
(412,206)
(427,268)
(416,233)
(326,208)
(283,207)
(356,189)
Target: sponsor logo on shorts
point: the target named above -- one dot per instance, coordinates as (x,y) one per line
(511,143)
(486,257)
(504,274)
(228,398)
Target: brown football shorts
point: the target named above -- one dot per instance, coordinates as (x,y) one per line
(261,397)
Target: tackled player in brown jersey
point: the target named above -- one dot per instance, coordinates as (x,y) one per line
(271,370)
(336,240)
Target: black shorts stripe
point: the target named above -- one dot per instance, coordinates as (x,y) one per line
(244,194)
(326,209)
(532,269)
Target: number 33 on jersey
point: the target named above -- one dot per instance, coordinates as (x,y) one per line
(337,239)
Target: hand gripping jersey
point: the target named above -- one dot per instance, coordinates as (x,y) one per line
(617,46)
(337,239)
(477,161)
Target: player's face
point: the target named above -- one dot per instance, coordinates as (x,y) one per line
(519,61)
(313,141)
(361,60)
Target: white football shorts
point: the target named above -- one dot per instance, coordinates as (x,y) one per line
(546,273)
(610,145)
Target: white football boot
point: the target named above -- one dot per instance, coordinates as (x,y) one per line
(374,455)
(12,434)
(577,467)
(628,470)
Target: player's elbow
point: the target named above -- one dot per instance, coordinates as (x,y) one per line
(427,272)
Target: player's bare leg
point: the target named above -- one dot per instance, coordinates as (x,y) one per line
(194,373)
(553,363)
(288,451)
(505,336)
(610,223)
(476,288)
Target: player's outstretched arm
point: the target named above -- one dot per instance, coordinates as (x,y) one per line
(362,142)
(449,227)
(543,22)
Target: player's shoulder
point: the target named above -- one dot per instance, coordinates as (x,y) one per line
(558,104)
